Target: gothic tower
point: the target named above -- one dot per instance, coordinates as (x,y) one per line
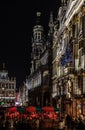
(51,28)
(37,43)
(51,23)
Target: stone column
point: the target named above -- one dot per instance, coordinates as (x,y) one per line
(83,28)
(75,85)
(83,83)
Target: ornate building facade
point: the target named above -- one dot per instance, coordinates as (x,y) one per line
(23,95)
(39,80)
(58,63)
(7,89)
(68,65)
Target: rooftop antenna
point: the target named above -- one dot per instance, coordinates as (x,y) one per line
(3,66)
(38,14)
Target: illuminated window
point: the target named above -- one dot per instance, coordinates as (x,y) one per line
(35,36)
(12,86)
(7,86)
(39,36)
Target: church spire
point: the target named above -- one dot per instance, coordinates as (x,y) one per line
(51,23)
(3,66)
(64,2)
(38,14)
(37,42)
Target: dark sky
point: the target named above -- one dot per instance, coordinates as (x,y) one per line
(16,21)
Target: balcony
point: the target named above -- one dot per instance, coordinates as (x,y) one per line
(68,70)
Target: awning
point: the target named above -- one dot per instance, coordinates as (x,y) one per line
(21,109)
(38,109)
(56,109)
(12,109)
(31,109)
(48,109)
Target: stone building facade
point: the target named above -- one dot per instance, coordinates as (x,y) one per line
(68,71)
(7,89)
(58,62)
(39,80)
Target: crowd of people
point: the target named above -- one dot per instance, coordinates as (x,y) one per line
(18,124)
(72,123)
(23,122)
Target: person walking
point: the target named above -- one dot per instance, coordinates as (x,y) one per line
(68,121)
(61,125)
(37,124)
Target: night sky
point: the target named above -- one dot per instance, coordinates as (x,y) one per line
(17,19)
